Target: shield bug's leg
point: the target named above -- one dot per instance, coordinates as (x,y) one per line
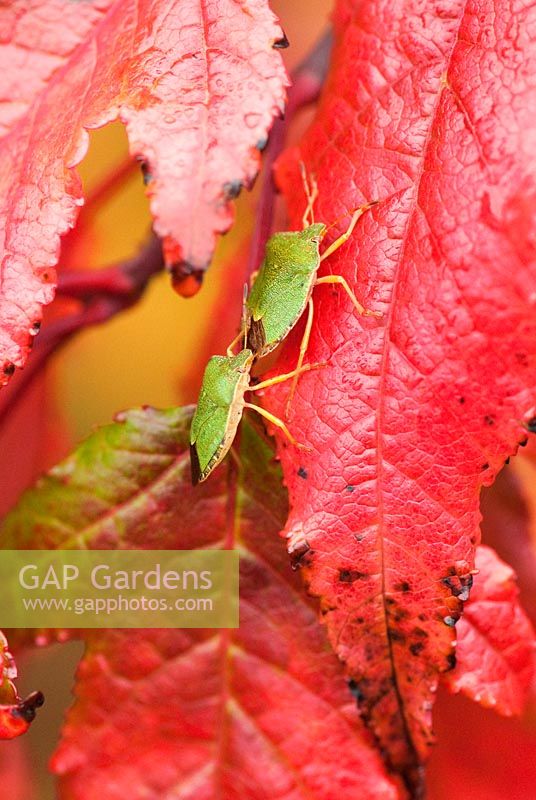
(348,232)
(340,280)
(242,333)
(303,349)
(278,423)
(286,376)
(230,347)
(310,188)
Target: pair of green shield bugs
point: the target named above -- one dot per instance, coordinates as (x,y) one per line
(281,291)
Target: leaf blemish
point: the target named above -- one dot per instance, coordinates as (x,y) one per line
(355,690)
(351,575)
(297,555)
(420,632)
(302,473)
(416,648)
(232,189)
(451,661)
(281,44)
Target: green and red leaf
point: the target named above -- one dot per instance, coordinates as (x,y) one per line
(261,711)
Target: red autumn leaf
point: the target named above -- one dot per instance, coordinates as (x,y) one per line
(196,85)
(260,711)
(507,519)
(495,648)
(417,411)
(481,755)
(16,773)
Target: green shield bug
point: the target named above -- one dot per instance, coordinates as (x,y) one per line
(221,405)
(284,284)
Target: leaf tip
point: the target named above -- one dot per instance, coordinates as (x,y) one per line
(186,279)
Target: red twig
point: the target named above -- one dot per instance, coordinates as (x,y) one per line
(104,293)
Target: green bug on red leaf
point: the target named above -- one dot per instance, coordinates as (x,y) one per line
(220,407)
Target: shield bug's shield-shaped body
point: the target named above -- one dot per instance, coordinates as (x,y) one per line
(221,405)
(219,411)
(283,288)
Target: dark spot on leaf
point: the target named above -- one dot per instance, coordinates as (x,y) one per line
(403,586)
(359,537)
(531,425)
(351,575)
(523,442)
(484,466)
(147,176)
(489,419)
(450,621)
(416,648)
(397,636)
(451,661)
(369,653)
(298,554)
(282,43)
(460,586)
(420,632)
(422,617)
(359,620)
(9,368)
(390,601)
(261,144)
(231,189)
(350,488)
(507,461)
(355,690)
(302,473)
(461,400)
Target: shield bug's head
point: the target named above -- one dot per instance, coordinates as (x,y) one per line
(314,232)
